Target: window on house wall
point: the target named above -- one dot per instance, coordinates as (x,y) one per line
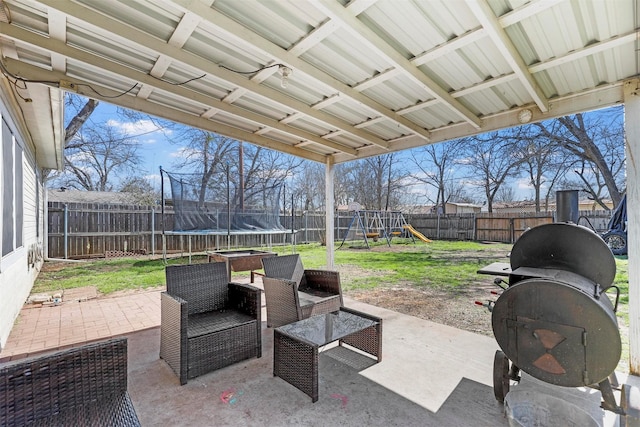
(18,195)
(12,192)
(7,189)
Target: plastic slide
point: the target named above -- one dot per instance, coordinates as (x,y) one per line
(416,233)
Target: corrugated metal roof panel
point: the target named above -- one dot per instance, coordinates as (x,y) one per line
(156,18)
(398,93)
(363,73)
(417,27)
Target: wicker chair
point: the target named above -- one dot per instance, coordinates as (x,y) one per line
(293,293)
(206,322)
(83,386)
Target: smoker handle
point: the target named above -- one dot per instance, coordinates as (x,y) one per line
(498,281)
(615,305)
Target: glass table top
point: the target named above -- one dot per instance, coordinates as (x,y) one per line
(325,328)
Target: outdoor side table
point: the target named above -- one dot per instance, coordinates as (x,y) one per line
(295,346)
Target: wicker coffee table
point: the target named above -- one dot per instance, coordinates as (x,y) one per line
(295,357)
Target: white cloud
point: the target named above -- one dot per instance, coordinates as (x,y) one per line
(524,184)
(183,153)
(139,128)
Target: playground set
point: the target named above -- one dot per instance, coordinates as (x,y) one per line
(375,225)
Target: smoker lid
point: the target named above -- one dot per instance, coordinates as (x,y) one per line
(565,246)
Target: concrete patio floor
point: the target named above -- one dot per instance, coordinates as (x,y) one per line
(430,374)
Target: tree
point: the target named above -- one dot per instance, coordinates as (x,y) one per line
(437,166)
(309,185)
(597,143)
(96,156)
(140,190)
(492,160)
(254,172)
(375,182)
(265,171)
(208,155)
(80,118)
(505,194)
(543,161)
(83,110)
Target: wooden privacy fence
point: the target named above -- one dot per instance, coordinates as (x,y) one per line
(81,230)
(85,230)
(506,228)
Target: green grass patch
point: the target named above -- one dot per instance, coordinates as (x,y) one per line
(106,275)
(443,264)
(437,264)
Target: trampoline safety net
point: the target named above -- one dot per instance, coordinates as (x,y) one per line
(205,208)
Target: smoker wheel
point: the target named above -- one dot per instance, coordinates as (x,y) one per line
(500,376)
(617,241)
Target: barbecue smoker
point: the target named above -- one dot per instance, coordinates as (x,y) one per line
(554,318)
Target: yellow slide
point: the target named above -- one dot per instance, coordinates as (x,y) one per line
(416,233)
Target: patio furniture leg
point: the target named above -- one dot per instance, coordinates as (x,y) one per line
(368,340)
(296,363)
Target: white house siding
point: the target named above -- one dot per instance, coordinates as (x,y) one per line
(19,267)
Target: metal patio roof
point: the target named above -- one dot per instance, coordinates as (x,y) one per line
(364,77)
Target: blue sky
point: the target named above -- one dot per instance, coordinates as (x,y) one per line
(154,148)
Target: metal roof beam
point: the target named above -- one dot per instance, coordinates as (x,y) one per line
(490,23)
(449,47)
(32,72)
(182,91)
(586,51)
(113,26)
(368,37)
(527,10)
(316,35)
(257,42)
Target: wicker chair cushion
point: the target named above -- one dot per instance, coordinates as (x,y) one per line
(313,298)
(207,323)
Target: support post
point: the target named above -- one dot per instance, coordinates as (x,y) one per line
(228,210)
(329,211)
(632,147)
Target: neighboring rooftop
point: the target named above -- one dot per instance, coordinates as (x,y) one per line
(64,195)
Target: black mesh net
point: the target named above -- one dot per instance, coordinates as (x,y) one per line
(202,205)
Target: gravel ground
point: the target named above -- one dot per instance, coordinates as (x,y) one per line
(455,308)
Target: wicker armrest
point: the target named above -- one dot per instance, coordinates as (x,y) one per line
(245,298)
(173,310)
(322,280)
(173,333)
(248,299)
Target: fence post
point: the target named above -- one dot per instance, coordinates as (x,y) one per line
(153,231)
(66,233)
(475,227)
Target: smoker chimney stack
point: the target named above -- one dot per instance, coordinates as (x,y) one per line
(567,206)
